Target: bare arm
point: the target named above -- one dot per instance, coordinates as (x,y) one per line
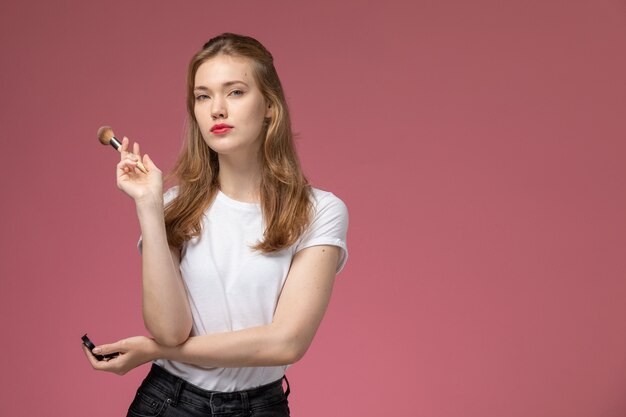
(165,307)
(300,309)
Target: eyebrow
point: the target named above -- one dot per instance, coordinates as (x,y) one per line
(226,84)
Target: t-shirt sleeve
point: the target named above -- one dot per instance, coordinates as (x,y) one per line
(328,227)
(168,196)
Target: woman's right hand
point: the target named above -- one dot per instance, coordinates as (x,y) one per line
(140,186)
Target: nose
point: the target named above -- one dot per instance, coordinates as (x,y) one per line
(218,109)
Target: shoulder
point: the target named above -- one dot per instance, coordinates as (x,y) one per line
(325,202)
(329,224)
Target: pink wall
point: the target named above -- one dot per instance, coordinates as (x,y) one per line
(479,146)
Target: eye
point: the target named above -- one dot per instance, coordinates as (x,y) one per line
(236,93)
(202,97)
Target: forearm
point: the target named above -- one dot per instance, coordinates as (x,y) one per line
(300,309)
(303,301)
(256,346)
(165,306)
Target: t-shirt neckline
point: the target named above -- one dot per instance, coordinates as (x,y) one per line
(236,203)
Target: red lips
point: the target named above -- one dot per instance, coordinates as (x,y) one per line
(221,128)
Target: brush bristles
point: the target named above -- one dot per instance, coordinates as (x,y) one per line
(105,134)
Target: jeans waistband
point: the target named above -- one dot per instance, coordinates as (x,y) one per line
(177,389)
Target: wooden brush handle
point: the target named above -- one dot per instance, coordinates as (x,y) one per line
(141,167)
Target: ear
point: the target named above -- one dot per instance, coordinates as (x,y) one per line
(268,110)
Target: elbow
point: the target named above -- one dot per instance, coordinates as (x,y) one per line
(293,350)
(294,356)
(169,334)
(171,338)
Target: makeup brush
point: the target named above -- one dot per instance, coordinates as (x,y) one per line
(107,137)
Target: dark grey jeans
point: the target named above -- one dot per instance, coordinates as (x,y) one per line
(164,394)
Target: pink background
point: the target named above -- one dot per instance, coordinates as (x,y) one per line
(479,146)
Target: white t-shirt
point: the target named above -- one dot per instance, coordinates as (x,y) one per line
(231,287)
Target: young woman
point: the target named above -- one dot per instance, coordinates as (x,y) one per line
(239,259)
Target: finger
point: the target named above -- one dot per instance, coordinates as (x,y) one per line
(147,162)
(130,157)
(138,171)
(126,165)
(91,358)
(110,348)
(125,171)
(136,168)
(136,148)
(124,148)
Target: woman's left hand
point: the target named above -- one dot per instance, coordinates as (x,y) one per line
(133,352)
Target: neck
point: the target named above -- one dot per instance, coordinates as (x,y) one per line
(240,177)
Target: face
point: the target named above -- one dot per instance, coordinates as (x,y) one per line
(229,107)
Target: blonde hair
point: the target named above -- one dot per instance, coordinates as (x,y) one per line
(284,190)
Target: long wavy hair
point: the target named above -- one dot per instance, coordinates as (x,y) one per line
(284,190)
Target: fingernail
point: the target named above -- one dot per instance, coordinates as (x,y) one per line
(97,350)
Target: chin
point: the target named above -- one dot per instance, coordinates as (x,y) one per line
(224,146)
(224,149)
